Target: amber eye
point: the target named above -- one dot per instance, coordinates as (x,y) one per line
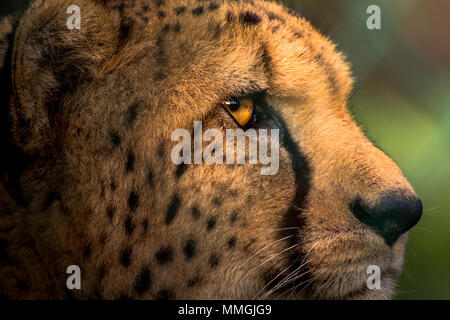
(240,109)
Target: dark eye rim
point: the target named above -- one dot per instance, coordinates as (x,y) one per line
(266,117)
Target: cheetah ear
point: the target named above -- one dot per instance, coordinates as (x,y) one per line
(49,61)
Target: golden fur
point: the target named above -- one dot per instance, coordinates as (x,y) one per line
(92,111)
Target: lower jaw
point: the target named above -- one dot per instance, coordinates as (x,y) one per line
(363,292)
(359,291)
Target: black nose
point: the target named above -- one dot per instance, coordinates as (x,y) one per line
(391,217)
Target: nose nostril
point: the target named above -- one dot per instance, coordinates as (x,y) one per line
(391,217)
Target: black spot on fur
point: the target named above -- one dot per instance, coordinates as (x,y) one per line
(129,226)
(250,18)
(129,165)
(145,225)
(180,10)
(143,281)
(214,260)
(161,151)
(115,138)
(164,255)
(266,59)
(150,178)
(192,282)
(110,212)
(298,34)
(117,6)
(272,16)
(329,70)
(233,193)
(189,249)
(113,186)
(102,191)
(132,114)
(181,168)
(160,43)
(177,27)
(165,295)
(87,252)
(102,239)
(233,217)
(133,201)
(195,212)
(211,223)
(52,196)
(231,242)
(293,13)
(173,209)
(230,16)
(101,272)
(159,75)
(213,6)
(159,3)
(159,55)
(197,11)
(89,211)
(215,30)
(166,28)
(125,257)
(126,26)
(161,14)
(247,248)
(217,202)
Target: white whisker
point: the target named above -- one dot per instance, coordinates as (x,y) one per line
(286,279)
(271,258)
(270,244)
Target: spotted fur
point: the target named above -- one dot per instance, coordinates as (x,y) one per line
(89,180)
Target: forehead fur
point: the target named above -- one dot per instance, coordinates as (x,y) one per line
(191,49)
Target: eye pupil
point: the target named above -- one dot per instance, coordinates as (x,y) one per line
(233,104)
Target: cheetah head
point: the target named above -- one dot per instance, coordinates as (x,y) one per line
(91,181)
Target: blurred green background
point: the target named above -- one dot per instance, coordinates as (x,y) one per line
(402,100)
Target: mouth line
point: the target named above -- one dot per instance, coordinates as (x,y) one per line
(355,293)
(304,289)
(306,286)
(363,289)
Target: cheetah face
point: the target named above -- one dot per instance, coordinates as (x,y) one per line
(108,98)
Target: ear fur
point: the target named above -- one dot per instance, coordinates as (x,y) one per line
(49,61)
